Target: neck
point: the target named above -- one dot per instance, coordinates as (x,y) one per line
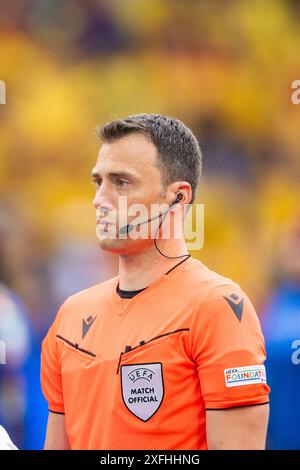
(139,270)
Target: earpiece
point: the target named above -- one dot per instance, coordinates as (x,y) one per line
(179,198)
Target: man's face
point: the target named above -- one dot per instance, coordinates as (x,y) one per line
(125,167)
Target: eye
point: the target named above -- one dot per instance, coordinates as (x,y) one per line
(97,183)
(121,182)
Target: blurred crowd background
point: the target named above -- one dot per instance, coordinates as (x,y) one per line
(225,69)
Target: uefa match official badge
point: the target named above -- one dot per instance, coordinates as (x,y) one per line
(142,388)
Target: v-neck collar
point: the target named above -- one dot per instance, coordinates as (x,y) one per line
(128,294)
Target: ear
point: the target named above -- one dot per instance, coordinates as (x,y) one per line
(183,192)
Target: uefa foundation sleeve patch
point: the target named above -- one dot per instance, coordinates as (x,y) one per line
(248,375)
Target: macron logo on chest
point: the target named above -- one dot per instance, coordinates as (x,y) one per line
(86,325)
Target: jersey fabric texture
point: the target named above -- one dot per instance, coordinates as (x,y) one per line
(140,373)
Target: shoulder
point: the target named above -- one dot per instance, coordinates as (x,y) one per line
(97,291)
(84,302)
(207,286)
(219,298)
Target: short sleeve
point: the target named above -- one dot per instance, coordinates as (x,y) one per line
(227,346)
(51,370)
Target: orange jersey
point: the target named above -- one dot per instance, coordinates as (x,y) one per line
(140,373)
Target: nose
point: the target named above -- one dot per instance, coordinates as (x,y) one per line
(96,201)
(100,198)
(101,204)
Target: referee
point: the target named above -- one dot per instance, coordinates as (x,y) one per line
(168,354)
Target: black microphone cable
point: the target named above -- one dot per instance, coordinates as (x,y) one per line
(155,241)
(127,228)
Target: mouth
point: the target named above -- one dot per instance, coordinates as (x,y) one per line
(103,222)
